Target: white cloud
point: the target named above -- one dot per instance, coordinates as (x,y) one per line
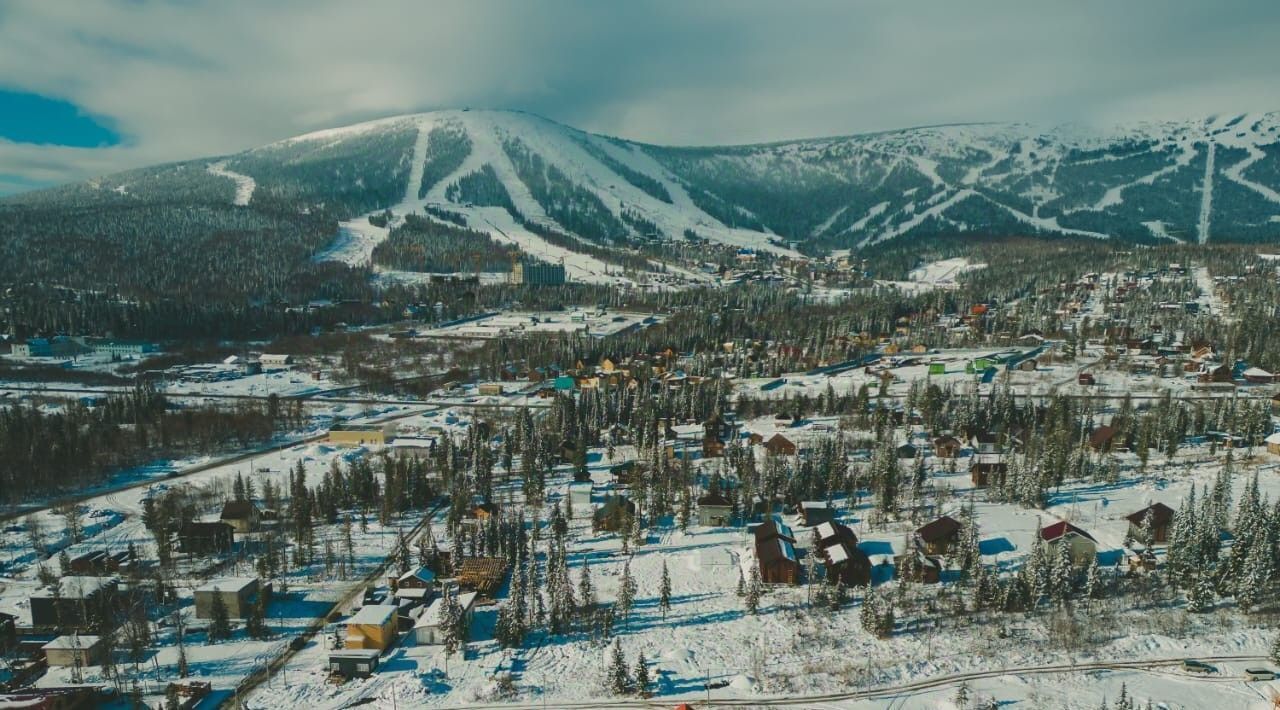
(191,79)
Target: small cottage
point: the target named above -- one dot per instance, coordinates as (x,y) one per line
(714,510)
(1161,517)
(242,515)
(354,662)
(74,650)
(1083,547)
(939,536)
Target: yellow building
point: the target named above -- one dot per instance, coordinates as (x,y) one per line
(358,435)
(374,626)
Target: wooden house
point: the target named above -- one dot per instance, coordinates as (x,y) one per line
(242,515)
(915,566)
(1161,519)
(1273,443)
(816,512)
(777,559)
(985,469)
(206,538)
(1103,438)
(947,447)
(484,575)
(780,445)
(939,536)
(428,629)
(613,514)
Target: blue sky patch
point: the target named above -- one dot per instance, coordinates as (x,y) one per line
(32,118)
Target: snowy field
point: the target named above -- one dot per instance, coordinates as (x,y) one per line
(519,323)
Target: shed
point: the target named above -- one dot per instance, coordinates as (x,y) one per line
(780,445)
(947,447)
(73,650)
(580,497)
(354,662)
(613,514)
(985,469)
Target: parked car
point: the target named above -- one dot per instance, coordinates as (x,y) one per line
(1259,674)
(1194,666)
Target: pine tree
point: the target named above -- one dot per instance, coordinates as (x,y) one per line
(626,591)
(962,696)
(742,583)
(642,675)
(219,618)
(619,681)
(755,587)
(586,591)
(256,624)
(1201,597)
(664,591)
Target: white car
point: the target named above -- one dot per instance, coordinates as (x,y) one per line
(1259,674)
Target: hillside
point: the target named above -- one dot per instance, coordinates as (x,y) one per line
(558,193)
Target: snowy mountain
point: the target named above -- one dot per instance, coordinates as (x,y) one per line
(515,175)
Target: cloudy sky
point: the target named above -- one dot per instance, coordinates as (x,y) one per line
(92,86)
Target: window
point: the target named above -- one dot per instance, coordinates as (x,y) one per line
(362,667)
(335,666)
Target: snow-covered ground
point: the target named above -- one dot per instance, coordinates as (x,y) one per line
(245,185)
(514,324)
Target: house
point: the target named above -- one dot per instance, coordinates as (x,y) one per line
(714,510)
(580,496)
(915,566)
(776,553)
(427,630)
(1273,443)
(241,515)
(1258,376)
(1161,519)
(420,578)
(1214,373)
(938,537)
(1083,547)
(906,451)
(275,360)
(984,469)
(778,562)
(354,663)
(77,603)
(206,538)
(986,443)
(373,627)
(1103,438)
(80,650)
(838,550)
(102,562)
(358,435)
(780,445)
(947,447)
(816,512)
(480,513)
(238,594)
(616,512)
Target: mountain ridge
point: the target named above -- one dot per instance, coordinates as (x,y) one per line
(517,175)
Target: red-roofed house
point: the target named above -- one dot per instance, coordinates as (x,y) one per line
(1083,547)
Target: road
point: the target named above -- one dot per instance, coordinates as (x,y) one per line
(1162,666)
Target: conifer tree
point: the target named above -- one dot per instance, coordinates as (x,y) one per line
(755,587)
(619,680)
(642,676)
(664,591)
(219,618)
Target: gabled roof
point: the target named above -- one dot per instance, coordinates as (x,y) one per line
(374,614)
(771,550)
(714,499)
(1061,529)
(943,528)
(834,533)
(238,509)
(1161,514)
(773,528)
(423,573)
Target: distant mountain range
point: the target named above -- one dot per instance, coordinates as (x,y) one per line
(1191,181)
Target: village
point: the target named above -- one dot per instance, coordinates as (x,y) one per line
(749,521)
